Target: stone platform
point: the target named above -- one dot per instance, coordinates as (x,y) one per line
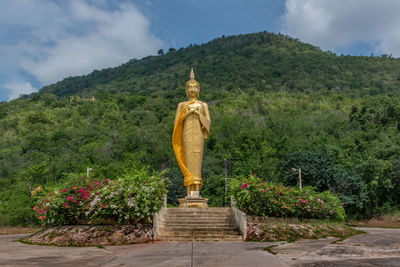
(193,202)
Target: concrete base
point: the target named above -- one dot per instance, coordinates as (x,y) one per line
(193,202)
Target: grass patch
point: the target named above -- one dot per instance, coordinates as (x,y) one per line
(388,220)
(290,232)
(269,249)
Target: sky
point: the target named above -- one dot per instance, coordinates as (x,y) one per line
(44,41)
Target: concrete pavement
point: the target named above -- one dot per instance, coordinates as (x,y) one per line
(150,254)
(203,253)
(378,247)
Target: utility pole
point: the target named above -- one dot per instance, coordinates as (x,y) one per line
(226,179)
(87,171)
(300,181)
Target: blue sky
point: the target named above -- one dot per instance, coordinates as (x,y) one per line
(44,41)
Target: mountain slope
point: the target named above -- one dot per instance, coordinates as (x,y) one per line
(275,104)
(263,61)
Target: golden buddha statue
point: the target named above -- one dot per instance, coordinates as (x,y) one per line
(192,126)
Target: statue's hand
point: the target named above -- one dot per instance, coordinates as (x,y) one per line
(188,113)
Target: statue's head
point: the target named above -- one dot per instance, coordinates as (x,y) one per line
(192,86)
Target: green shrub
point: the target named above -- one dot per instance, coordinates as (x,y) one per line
(134,197)
(259,198)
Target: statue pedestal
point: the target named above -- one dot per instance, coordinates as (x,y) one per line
(193,202)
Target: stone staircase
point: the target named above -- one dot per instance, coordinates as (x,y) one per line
(199,224)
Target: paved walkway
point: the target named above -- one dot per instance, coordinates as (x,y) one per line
(379,247)
(150,254)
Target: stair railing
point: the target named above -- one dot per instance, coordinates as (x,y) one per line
(240,218)
(158,218)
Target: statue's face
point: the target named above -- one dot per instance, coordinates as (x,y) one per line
(192,90)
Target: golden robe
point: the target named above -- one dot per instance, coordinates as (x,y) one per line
(188,139)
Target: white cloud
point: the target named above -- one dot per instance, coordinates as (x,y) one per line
(334,24)
(54,40)
(15,89)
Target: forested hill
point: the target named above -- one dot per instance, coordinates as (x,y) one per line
(275,104)
(262,61)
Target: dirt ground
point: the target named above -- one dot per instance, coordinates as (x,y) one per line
(387,221)
(17,230)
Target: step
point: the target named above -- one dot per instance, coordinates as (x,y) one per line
(186,214)
(199,218)
(190,222)
(202,238)
(179,224)
(196,209)
(199,228)
(200,232)
(202,219)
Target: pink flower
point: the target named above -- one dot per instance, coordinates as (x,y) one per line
(64,190)
(34,208)
(47,200)
(331,212)
(70,198)
(245,185)
(265,190)
(281,203)
(65,205)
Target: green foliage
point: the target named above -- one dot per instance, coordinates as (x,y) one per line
(321,171)
(269,96)
(259,198)
(136,196)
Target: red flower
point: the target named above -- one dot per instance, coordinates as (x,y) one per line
(245,185)
(64,190)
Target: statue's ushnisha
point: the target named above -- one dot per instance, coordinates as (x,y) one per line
(192,126)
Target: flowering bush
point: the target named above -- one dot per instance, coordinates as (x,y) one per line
(134,197)
(259,198)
